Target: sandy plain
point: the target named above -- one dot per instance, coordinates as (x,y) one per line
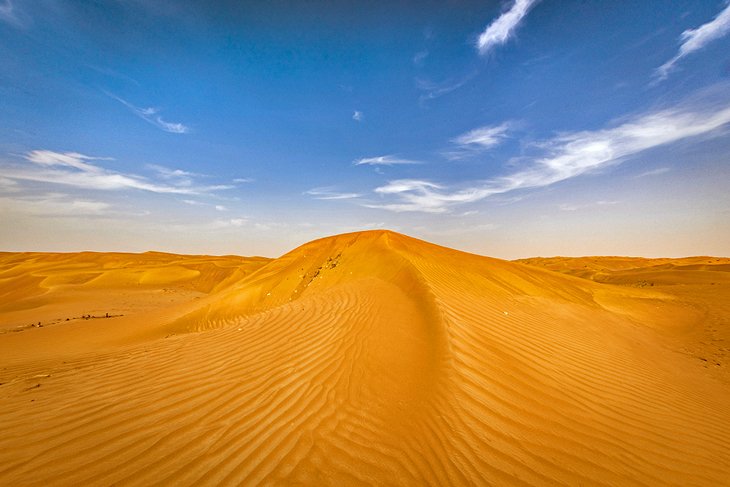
(369,358)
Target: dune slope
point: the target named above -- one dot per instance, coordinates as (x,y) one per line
(371,358)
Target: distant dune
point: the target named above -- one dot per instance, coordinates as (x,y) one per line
(363,359)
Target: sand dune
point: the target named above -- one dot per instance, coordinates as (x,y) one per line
(366,358)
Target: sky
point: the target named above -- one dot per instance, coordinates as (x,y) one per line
(508,128)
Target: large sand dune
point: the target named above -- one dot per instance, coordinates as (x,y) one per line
(367,358)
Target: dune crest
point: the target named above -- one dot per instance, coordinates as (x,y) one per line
(364,358)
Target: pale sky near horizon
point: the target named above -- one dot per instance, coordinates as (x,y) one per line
(506,128)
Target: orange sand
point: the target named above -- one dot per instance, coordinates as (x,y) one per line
(366,358)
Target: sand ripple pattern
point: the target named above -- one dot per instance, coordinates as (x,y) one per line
(402,363)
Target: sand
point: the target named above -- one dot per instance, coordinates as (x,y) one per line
(363,359)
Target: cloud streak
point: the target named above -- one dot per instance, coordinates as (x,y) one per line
(151,115)
(653,172)
(433,90)
(175,177)
(53,204)
(75,169)
(576,207)
(330,193)
(415,195)
(420,57)
(503,28)
(478,140)
(9,13)
(8,185)
(693,40)
(6,11)
(567,156)
(387,160)
(64,159)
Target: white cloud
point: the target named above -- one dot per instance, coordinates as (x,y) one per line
(500,31)
(168,173)
(176,177)
(243,180)
(231,222)
(151,115)
(695,39)
(7,12)
(387,160)
(483,137)
(75,169)
(424,196)
(6,8)
(567,156)
(357,116)
(575,207)
(206,205)
(434,90)
(573,154)
(653,172)
(420,57)
(53,204)
(478,140)
(330,193)
(68,159)
(13,15)
(403,185)
(236,222)
(8,185)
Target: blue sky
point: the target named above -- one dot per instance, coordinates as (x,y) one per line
(507,128)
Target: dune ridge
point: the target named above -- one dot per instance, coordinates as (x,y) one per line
(365,358)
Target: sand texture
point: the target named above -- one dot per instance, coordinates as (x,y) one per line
(363,359)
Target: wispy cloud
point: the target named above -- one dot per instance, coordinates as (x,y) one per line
(229,223)
(106,71)
(433,90)
(8,13)
(478,140)
(330,193)
(243,180)
(567,156)
(357,116)
(576,207)
(75,169)
(503,28)
(168,173)
(388,160)
(420,57)
(66,159)
(202,204)
(177,177)
(8,185)
(416,195)
(653,172)
(53,204)
(151,115)
(693,40)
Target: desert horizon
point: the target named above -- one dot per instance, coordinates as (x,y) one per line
(363,358)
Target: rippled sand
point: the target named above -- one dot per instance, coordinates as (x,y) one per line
(366,358)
